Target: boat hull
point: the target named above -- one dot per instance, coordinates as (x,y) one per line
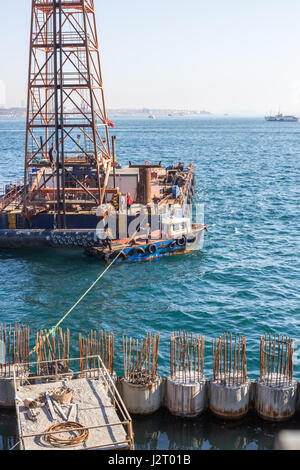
(282,119)
(153,250)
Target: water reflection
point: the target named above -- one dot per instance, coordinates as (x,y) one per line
(8,429)
(162,431)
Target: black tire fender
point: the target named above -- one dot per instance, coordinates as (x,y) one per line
(152,249)
(181,241)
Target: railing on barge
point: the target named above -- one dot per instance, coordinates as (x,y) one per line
(25,374)
(11,194)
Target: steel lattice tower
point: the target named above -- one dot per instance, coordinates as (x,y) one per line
(67,139)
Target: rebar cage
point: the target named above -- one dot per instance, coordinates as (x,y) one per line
(276,360)
(187,357)
(229,359)
(140,358)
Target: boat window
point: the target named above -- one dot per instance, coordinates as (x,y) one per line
(179,227)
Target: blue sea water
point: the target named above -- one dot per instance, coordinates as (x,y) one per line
(246,278)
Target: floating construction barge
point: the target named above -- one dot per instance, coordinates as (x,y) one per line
(151,187)
(71,167)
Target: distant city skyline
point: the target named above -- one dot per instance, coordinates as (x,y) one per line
(225,57)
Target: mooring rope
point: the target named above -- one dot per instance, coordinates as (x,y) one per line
(54,328)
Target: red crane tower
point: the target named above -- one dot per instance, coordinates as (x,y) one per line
(68,152)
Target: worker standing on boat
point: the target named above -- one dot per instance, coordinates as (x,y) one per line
(148,233)
(108,240)
(116,199)
(156,199)
(102,212)
(129,201)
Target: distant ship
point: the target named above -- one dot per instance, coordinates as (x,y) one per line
(281,118)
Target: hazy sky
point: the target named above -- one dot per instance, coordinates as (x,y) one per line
(219,55)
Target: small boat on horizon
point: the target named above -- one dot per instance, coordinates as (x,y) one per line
(281,118)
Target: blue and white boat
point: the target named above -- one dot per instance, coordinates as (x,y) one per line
(177,236)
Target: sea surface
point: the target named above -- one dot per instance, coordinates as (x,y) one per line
(245,280)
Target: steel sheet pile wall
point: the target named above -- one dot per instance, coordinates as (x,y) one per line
(230,387)
(276,390)
(141,386)
(186,385)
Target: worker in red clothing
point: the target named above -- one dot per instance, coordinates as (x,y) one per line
(129,201)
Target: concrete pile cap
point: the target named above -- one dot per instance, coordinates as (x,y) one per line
(188,378)
(150,384)
(229,381)
(276,381)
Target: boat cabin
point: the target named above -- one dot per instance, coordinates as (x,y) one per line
(173,227)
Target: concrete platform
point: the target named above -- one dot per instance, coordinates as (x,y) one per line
(95,408)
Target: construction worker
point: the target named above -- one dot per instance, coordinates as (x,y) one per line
(116,199)
(108,240)
(52,154)
(129,200)
(156,199)
(148,233)
(102,212)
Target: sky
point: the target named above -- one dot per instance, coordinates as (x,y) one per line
(225,56)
